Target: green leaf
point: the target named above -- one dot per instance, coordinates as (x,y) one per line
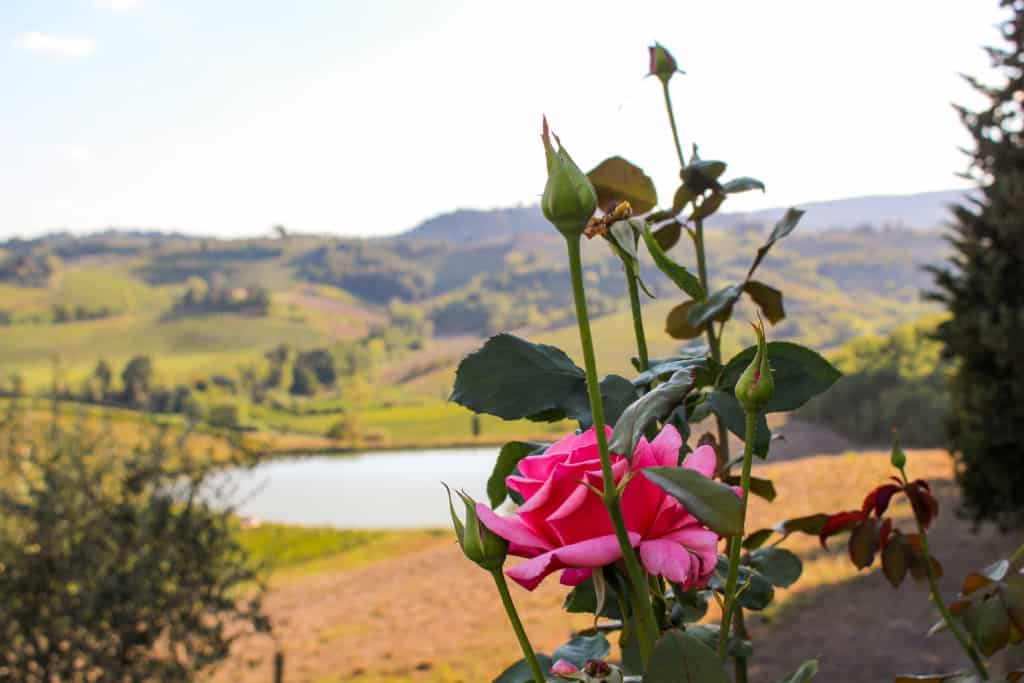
(624,235)
(682,658)
(989,625)
(680,199)
(1012,595)
(763,488)
(691,605)
(513,378)
(654,405)
(709,634)
(668,235)
(617,393)
(710,501)
(583,599)
(581,648)
(617,180)
(682,278)
(718,306)
(785,226)
(520,671)
(781,567)
(677,324)
(757,538)
(724,405)
(799,373)
(809,524)
(508,457)
(756,592)
(742,184)
(694,359)
(806,672)
(768,299)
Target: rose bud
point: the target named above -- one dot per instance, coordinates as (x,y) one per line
(756,386)
(478,543)
(566,669)
(663,64)
(569,198)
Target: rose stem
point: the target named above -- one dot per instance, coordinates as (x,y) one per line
(638,321)
(517,626)
(647,627)
(933,586)
(736,542)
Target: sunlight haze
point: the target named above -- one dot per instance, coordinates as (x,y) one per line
(364,118)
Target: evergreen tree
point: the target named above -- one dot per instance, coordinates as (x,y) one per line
(983,288)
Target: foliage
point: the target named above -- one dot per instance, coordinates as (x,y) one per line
(896,382)
(108,552)
(981,288)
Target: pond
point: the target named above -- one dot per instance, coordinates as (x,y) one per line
(381,490)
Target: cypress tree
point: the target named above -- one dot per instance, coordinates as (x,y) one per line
(983,288)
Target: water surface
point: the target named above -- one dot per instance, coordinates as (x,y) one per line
(382,490)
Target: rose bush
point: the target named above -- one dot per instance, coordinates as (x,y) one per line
(562,523)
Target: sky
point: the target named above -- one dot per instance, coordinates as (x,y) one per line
(355,117)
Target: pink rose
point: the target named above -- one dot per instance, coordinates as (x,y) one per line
(564,525)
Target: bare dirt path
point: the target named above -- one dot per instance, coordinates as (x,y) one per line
(430,615)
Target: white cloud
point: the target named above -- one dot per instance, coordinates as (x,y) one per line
(61,46)
(119,5)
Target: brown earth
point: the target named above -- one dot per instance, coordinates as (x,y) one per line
(430,615)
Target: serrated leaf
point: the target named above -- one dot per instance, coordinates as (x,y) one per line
(864,543)
(780,566)
(989,625)
(654,405)
(718,306)
(742,184)
(724,405)
(763,488)
(520,671)
(668,235)
(799,373)
(508,457)
(710,501)
(682,658)
(767,298)
(785,226)
(581,648)
(677,323)
(757,538)
(695,359)
(708,207)
(755,591)
(682,278)
(616,180)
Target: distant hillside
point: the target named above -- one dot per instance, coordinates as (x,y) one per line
(923,211)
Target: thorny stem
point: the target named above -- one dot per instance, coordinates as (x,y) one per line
(638,321)
(933,586)
(517,625)
(736,542)
(647,627)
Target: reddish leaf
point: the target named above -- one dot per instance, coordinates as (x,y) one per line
(810,524)
(925,507)
(974,581)
(838,523)
(884,533)
(896,558)
(957,608)
(864,543)
(878,500)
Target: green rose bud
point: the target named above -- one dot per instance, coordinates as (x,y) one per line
(478,543)
(756,386)
(569,199)
(663,64)
(898,458)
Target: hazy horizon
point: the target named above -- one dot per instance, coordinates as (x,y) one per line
(360,118)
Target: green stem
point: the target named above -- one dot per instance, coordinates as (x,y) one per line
(736,542)
(517,626)
(637,577)
(740,629)
(638,321)
(672,122)
(960,636)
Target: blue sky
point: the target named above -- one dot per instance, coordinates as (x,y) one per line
(363,118)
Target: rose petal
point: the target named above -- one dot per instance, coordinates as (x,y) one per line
(511,529)
(666,446)
(702,460)
(666,558)
(589,554)
(574,577)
